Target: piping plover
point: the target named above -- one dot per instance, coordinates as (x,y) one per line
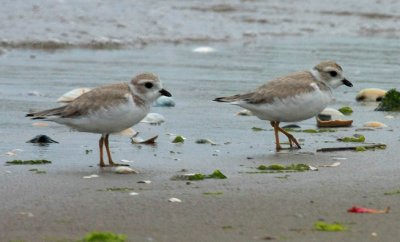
(291,98)
(108,109)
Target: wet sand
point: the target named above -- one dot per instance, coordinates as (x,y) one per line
(60,205)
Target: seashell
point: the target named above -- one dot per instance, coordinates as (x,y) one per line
(144,181)
(164,101)
(332,165)
(375,124)
(370,95)
(90,176)
(41,139)
(127,161)
(174,200)
(203,49)
(153,118)
(313,168)
(128,132)
(124,170)
(245,112)
(133,193)
(72,95)
(138,140)
(332,112)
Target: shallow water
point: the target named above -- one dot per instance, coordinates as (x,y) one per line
(50,47)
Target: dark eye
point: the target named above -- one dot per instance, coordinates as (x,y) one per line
(333,73)
(148,85)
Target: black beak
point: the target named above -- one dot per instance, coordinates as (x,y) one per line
(347,82)
(165,93)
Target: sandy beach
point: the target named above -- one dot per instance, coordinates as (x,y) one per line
(59,204)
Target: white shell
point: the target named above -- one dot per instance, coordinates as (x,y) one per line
(332,112)
(133,194)
(153,118)
(174,200)
(332,165)
(370,94)
(72,95)
(313,168)
(204,49)
(90,176)
(144,181)
(124,170)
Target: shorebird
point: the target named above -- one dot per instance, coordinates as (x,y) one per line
(108,109)
(291,98)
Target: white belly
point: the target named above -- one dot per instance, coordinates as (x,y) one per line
(291,109)
(107,120)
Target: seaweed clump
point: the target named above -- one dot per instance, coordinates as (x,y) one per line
(390,102)
(104,237)
(28,162)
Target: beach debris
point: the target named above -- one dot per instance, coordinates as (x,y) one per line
(138,140)
(40,124)
(128,132)
(205,141)
(335,164)
(179,139)
(37,171)
(27,214)
(354,148)
(90,176)
(278,168)
(28,162)
(330,117)
(291,126)
(392,193)
(174,200)
(390,102)
(153,119)
(144,181)
(313,168)
(41,139)
(213,193)
(203,49)
(245,112)
(124,170)
(389,116)
(346,110)
(355,138)
(72,95)
(370,95)
(164,101)
(98,236)
(257,129)
(127,161)
(217,174)
(12,152)
(374,124)
(327,227)
(133,194)
(356,209)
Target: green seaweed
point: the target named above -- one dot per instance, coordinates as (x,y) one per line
(361,149)
(392,193)
(179,139)
(281,168)
(103,237)
(28,162)
(359,139)
(390,102)
(335,227)
(346,110)
(257,129)
(217,174)
(197,177)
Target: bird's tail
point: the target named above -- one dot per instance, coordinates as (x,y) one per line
(45,113)
(231,99)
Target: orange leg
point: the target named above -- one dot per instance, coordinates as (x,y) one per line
(275,125)
(110,161)
(290,137)
(101,142)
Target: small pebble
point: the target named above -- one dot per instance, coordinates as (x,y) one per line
(370,95)
(375,124)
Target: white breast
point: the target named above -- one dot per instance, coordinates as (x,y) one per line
(110,119)
(292,109)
